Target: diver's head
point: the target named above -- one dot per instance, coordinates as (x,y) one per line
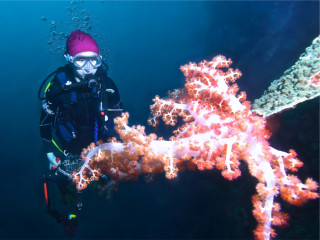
(83,53)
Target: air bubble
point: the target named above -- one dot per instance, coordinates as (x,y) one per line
(43,19)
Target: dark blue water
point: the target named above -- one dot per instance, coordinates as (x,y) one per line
(144,44)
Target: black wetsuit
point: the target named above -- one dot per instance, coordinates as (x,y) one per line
(73,116)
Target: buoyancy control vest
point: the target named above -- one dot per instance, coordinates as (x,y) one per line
(85,110)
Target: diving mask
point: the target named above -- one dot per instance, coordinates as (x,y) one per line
(85,60)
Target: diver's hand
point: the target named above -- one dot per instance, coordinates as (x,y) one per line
(54,162)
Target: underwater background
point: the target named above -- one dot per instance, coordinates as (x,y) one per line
(144,44)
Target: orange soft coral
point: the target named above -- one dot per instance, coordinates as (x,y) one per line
(218,131)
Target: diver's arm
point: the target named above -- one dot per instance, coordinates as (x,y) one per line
(111,106)
(113,99)
(46,126)
(48,114)
(46,123)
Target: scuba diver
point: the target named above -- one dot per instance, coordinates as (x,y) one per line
(79,104)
